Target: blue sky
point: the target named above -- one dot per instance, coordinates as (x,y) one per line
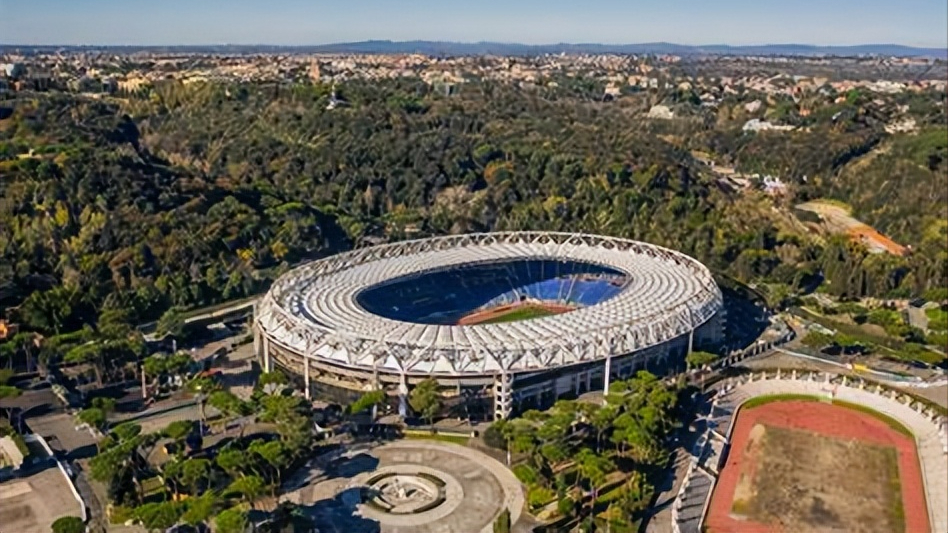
(736,22)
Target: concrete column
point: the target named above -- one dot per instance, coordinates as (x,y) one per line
(403,395)
(257,344)
(605,378)
(577,378)
(306,376)
(589,376)
(503,396)
(267,364)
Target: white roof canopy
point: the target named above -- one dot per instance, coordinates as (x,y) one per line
(313,310)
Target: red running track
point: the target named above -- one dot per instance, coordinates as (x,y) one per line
(824,419)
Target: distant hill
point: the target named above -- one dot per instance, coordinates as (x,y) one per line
(484,48)
(436,48)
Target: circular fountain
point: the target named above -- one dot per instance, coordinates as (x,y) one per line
(406,494)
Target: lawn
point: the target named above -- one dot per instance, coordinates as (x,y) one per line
(455,439)
(937,319)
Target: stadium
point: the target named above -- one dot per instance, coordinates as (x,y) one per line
(511,320)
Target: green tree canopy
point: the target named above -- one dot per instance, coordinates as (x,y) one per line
(425,399)
(159,516)
(249,488)
(92,416)
(233,520)
(171,323)
(367,401)
(200,509)
(698,359)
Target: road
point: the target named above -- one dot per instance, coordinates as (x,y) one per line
(213,312)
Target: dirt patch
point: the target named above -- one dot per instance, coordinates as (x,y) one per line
(745,492)
(837,219)
(814,467)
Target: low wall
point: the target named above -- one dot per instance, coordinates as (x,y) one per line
(65,473)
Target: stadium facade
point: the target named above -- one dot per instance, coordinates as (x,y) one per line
(518,318)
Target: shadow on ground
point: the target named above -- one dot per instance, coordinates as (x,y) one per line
(339,514)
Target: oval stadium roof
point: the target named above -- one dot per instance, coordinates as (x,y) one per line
(312,310)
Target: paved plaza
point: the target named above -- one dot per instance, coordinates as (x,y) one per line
(32,504)
(476,488)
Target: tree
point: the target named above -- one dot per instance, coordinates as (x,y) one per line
(502,522)
(698,359)
(593,468)
(195,472)
(228,403)
(601,420)
(425,399)
(494,435)
(94,417)
(107,405)
(817,340)
(68,524)
(126,431)
(369,400)
(201,508)
(279,408)
(232,461)
(275,455)
(159,516)
(50,311)
(233,520)
(171,323)
(179,429)
(276,379)
(249,488)
(154,366)
(105,466)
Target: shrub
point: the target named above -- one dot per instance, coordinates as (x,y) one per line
(69,524)
(526,474)
(538,497)
(565,506)
(494,437)
(939,339)
(119,514)
(937,319)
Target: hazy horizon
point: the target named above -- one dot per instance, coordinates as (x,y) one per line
(915,23)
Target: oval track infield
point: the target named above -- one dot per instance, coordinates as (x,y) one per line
(807,435)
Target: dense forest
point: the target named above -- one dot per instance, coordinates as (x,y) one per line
(193,194)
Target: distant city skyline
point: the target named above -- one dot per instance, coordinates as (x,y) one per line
(918,23)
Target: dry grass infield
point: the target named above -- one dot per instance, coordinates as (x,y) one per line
(811,482)
(805,466)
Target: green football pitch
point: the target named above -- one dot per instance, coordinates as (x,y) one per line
(520,313)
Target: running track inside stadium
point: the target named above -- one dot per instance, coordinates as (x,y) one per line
(824,419)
